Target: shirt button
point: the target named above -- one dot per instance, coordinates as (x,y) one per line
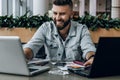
(59,54)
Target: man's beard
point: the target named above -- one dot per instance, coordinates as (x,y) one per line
(64,25)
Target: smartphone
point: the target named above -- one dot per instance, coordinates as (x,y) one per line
(78,62)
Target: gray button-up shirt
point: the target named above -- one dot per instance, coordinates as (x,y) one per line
(77,44)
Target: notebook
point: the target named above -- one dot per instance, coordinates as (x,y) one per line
(106,61)
(12,58)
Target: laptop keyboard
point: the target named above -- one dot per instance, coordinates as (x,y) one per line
(31,70)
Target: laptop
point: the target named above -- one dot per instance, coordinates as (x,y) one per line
(106,61)
(12,58)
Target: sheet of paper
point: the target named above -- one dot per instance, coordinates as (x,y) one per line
(70,64)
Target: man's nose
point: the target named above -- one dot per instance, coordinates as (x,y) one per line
(57,17)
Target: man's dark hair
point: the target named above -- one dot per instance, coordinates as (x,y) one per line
(63,2)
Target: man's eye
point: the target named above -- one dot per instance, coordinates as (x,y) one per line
(55,13)
(62,14)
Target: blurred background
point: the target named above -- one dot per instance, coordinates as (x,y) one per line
(40,7)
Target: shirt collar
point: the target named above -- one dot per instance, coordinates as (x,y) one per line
(54,29)
(73,29)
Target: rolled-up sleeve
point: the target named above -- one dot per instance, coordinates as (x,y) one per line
(86,42)
(37,40)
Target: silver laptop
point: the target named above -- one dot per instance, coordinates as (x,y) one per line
(12,58)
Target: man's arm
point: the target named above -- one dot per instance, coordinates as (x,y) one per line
(91,53)
(89,58)
(28,53)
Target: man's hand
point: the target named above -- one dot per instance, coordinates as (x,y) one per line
(28,53)
(89,62)
(89,58)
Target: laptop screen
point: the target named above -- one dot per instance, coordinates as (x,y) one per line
(107,58)
(12,58)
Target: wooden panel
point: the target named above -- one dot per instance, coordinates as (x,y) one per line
(26,34)
(23,33)
(101,32)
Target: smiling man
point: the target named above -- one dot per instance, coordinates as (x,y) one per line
(63,38)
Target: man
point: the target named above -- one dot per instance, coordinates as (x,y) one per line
(63,38)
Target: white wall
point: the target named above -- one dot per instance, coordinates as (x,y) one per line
(40,7)
(0,7)
(115,9)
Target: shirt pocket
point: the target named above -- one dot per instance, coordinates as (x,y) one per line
(75,47)
(52,47)
(51,44)
(76,52)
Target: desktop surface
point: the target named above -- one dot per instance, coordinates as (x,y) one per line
(47,76)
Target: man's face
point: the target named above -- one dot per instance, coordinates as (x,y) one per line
(61,16)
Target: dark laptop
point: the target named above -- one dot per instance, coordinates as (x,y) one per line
(106,61)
